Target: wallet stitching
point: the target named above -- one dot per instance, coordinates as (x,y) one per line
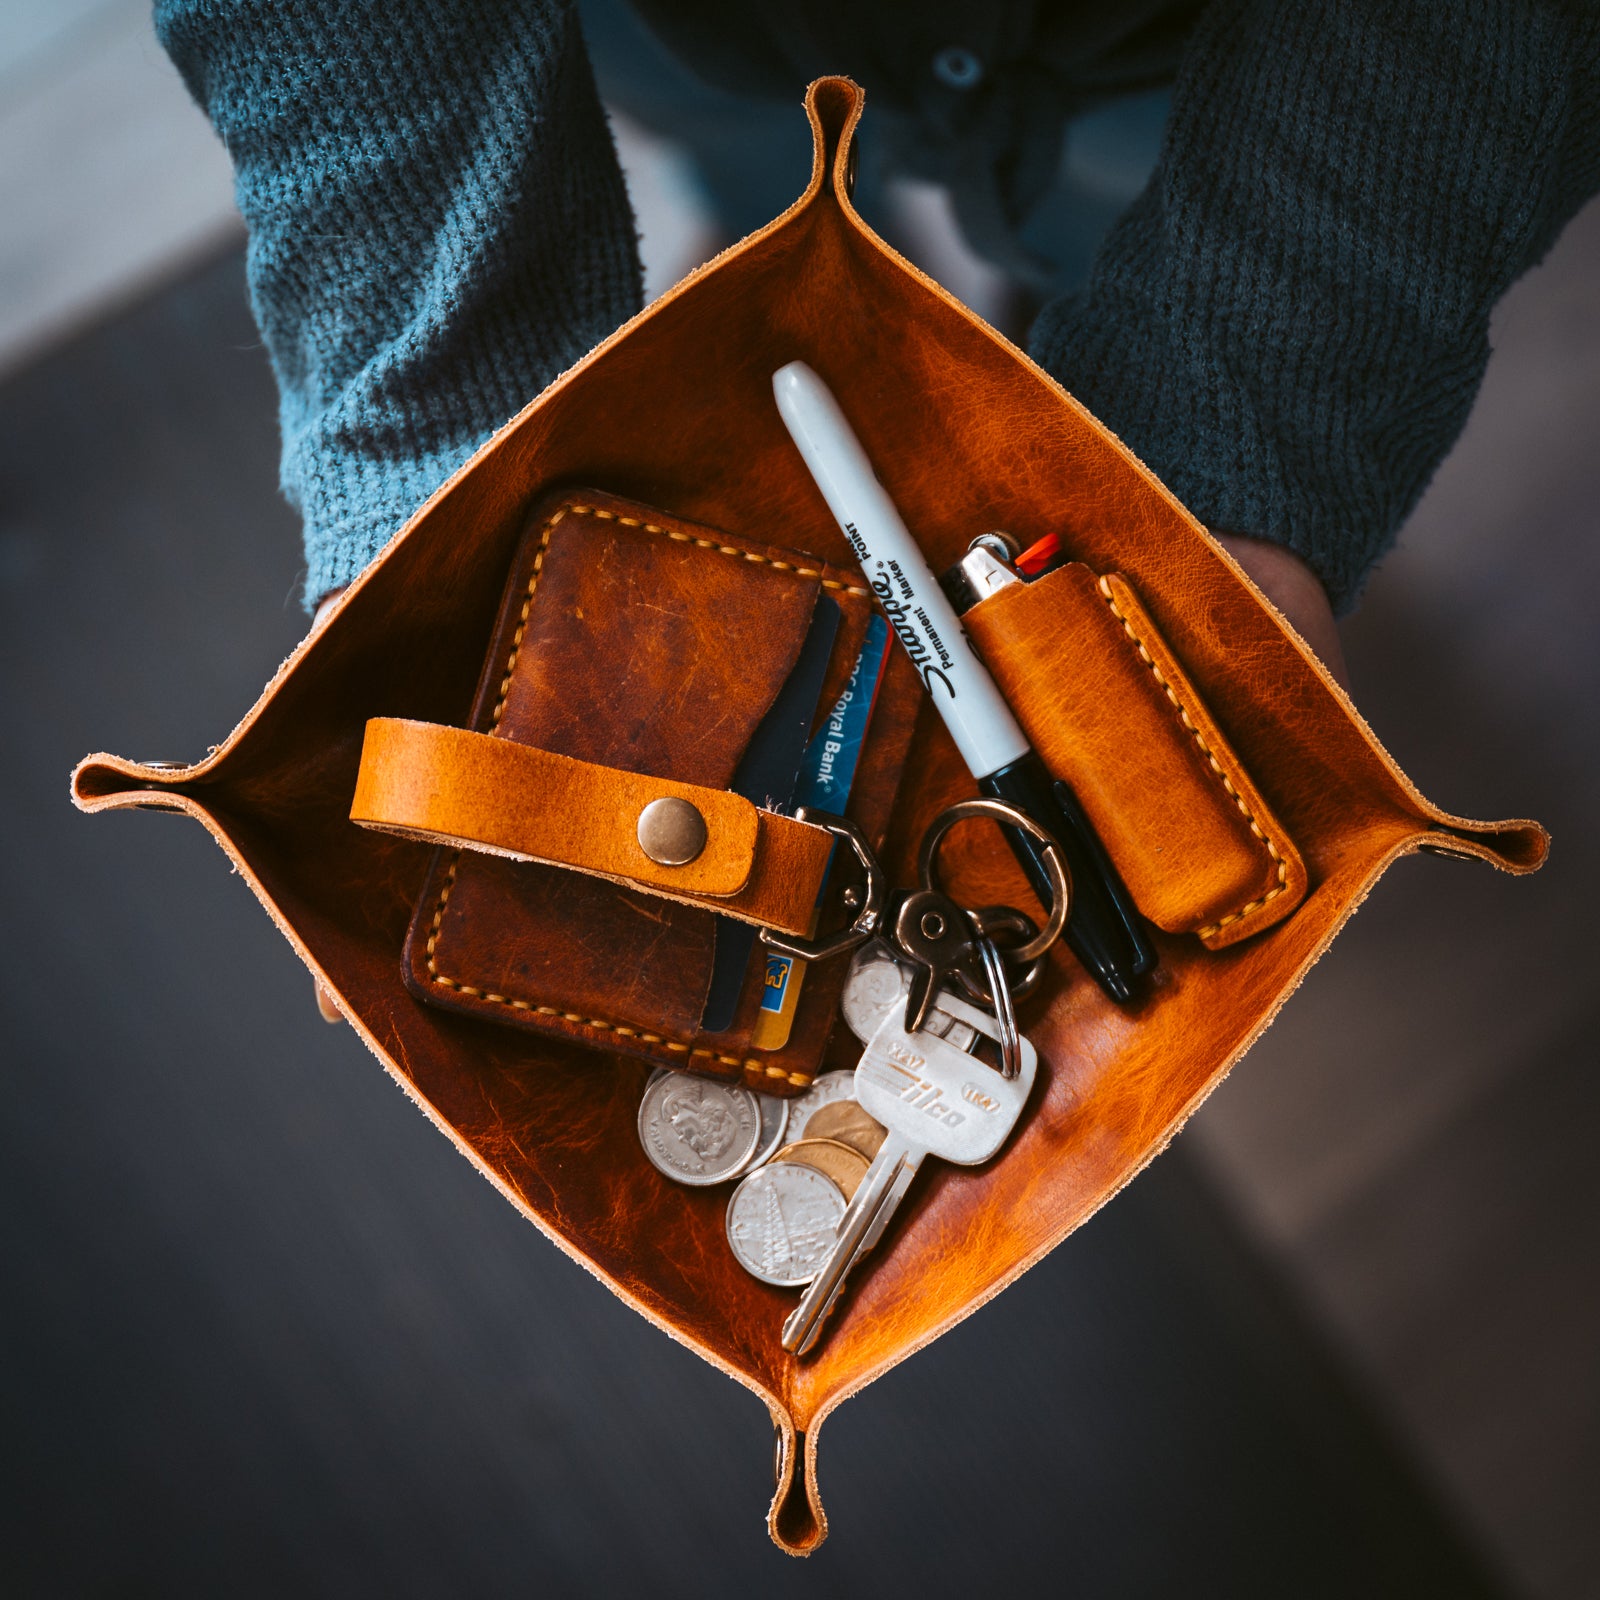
(622,1030)
(1213,928)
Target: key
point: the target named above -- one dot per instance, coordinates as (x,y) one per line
(934,1099)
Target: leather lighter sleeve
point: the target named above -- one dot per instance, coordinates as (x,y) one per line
(1110,708)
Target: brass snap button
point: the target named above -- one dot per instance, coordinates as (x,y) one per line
(671,832)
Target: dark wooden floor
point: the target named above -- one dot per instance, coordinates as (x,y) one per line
(265,1333)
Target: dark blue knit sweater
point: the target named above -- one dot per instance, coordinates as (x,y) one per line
(1289,325)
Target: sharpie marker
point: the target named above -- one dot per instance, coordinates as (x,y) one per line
(1105,931)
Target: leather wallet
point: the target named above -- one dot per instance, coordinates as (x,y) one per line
(641,648)
(675,410)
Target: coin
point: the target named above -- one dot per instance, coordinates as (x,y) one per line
(782,1221)
(847,1167)
(879,984)
(697,1131)
(831,1086)
(845,1121)
(876,985)
(774,1125)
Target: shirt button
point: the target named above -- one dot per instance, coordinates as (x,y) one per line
(958,67)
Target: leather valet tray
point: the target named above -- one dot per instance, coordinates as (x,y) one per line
(675,411)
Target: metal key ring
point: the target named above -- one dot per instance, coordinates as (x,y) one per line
(1055,864)
(987,921)
(1005,1015)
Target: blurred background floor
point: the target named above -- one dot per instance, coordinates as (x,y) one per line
(110,177)
(1415,1135)
(265,1333)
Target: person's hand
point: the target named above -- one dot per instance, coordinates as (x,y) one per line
(325,607)
(325,1006)
(1297,592)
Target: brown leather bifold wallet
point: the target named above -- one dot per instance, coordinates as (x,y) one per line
(634,659)
(512,734)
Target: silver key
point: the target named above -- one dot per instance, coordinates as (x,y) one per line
(934,1099)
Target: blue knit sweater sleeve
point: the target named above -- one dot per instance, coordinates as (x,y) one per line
(1291,323)
(438,227)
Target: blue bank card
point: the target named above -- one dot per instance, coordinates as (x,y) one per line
(826,774)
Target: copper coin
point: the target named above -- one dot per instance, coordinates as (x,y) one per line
(845,1121)
(844,1165)
(831,1086)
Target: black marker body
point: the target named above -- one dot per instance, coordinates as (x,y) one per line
(1105,931)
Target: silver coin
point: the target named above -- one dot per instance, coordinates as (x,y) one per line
(774,1125)
(782,1221)
(829,1087)
(697,1131)
(656,1073)
(876,985)
(880,983)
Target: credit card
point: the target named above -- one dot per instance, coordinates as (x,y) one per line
(826,775)
(767,773)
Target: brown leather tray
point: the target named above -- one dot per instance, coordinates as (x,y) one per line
(675,410)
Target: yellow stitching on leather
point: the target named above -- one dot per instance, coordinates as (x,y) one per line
(747,1063)
(1216,927)
(689,538)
